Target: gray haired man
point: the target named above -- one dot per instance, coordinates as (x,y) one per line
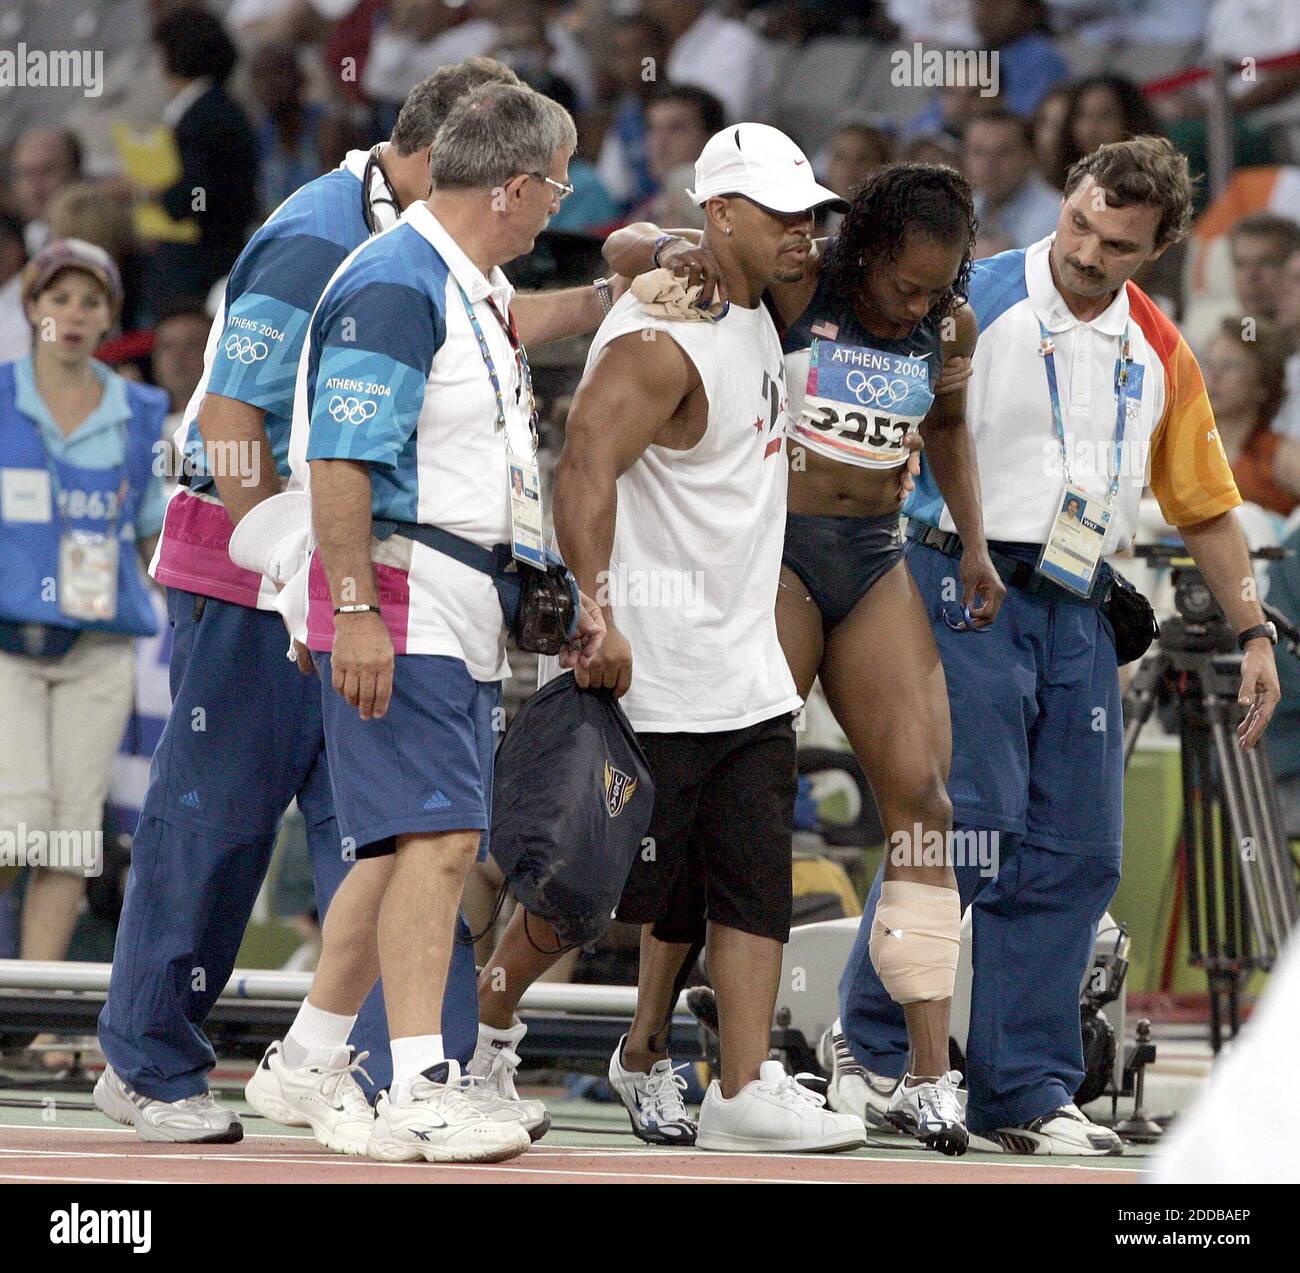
(418,411)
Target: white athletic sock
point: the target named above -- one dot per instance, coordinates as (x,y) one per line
(316,1036)
(411,1057)
(493,1035)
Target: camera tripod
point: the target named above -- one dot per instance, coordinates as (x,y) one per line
(1240,876)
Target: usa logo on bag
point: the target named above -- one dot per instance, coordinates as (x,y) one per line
(618,789)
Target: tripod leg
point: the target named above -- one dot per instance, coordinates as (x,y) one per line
(1240,833)
(1191,846)
(1141,699)
(1278,867)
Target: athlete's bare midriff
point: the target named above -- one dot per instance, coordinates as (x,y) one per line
(822,487)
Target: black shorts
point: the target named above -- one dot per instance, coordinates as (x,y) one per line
(839,558)
(718,847)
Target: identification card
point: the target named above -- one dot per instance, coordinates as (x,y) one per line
(1073,549)
(25,495)
(88,576)
(526,513)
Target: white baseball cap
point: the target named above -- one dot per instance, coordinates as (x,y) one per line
(764,165)
(273,536)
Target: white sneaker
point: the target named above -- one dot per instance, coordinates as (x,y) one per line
(1065,1131)
(852,1088)
(325,1098)
(932,1113)
(436,1122)
(653,1101)
(495,1064)
(775,1114)
(196,1120)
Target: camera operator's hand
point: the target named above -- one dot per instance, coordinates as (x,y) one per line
(1260,691)
(611,669)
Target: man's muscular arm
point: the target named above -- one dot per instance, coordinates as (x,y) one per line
(622,406)
(630,251)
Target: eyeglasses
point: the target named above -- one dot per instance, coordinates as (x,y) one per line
(564,190)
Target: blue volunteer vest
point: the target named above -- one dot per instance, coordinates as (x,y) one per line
(29,548)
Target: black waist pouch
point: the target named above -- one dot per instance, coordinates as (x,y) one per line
(571,802)
(540,607)
(1131,618)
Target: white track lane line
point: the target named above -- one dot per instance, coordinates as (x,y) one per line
(84,1180)
(514,1167)
(1030,1162)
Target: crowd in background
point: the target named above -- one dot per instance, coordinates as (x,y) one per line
(256,97)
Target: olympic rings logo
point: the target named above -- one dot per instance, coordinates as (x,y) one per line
(352,410)
(876,391)
(245,350)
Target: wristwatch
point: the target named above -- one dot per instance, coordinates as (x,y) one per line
(660,243)
(603,292)
(1259,630)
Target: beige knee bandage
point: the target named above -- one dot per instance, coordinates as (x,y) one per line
(915,938)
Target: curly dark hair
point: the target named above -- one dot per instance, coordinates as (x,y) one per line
(896,201)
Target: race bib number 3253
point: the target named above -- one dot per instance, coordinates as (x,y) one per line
(859,402)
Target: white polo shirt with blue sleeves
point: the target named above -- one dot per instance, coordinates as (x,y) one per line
(393,376)
(101,479)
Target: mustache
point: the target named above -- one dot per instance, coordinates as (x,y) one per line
(1079,269)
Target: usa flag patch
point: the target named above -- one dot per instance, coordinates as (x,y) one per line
(825,329)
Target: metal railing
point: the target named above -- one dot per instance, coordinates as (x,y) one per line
(267,984)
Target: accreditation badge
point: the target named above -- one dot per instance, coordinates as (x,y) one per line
(526,513)
(1074,542)
(88,576)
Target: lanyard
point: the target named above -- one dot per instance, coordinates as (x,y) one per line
(1048,352)
(512,335)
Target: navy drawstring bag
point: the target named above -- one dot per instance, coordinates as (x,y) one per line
(571,800)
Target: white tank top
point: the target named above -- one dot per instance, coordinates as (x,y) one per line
(699,537)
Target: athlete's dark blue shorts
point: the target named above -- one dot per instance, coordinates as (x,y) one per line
(839,558)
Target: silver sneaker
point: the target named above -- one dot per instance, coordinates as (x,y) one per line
(653,1101)
(932,1113)
(852,1088)
(195,1120)
(1066,1131)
